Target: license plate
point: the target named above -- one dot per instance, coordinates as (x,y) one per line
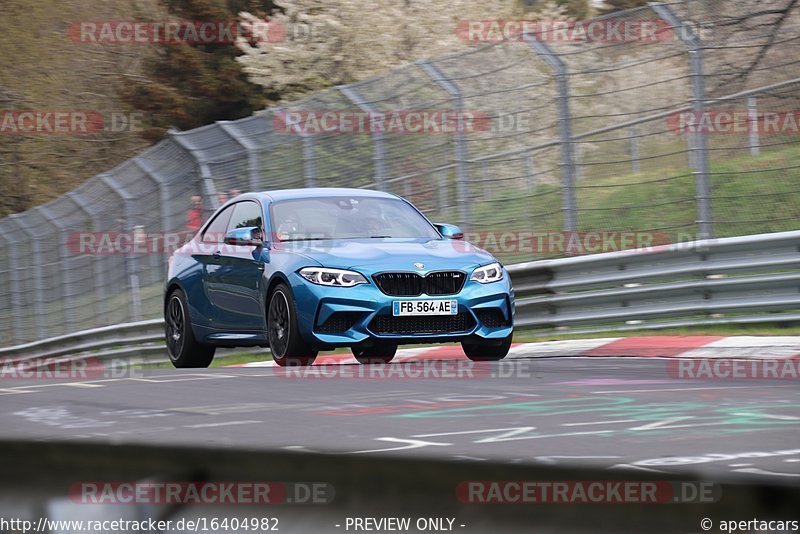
(424,307)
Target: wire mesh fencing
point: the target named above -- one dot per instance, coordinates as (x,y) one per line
(652,125)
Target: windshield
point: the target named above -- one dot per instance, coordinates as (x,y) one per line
(347,218)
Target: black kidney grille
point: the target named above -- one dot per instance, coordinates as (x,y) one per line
(412,284)
(444,282)
(422,324)
(399,284)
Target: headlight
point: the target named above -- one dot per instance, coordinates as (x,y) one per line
(332,277)
(488,273)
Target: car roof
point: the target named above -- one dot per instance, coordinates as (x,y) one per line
(314,192)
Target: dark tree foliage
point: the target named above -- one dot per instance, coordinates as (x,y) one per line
(189,84)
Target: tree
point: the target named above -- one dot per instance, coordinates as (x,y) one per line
(332,42)
(191,84)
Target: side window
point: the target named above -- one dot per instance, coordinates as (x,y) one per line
(246,214)
(215,231)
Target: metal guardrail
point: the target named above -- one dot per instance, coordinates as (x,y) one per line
(734,280)
(143,340)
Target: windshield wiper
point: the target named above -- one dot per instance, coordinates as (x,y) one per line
(307,239)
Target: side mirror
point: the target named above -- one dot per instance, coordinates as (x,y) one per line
(449,231)
(250,236)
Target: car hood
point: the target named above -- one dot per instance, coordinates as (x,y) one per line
(373,255)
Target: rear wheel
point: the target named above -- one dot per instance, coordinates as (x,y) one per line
(285,342)
(183,349)
(374,354)
(479,350)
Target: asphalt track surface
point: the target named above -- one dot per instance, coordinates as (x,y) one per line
(615,413)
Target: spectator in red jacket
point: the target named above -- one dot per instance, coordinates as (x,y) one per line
(194,217)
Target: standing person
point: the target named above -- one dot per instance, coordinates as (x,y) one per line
(194,217)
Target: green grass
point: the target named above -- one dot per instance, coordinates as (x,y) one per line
(750,195)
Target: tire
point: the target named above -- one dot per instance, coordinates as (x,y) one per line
(183,349)
(374,354)
(285,342)
(486,351)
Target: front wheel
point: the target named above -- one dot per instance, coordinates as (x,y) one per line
(285,342)
(183,349)
(479,350)
(374,354)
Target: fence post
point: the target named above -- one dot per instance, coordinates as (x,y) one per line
(130,259)
(309,161)
(564,127)
(530,169)
(97,270)
(36,259)
(209,189)
(634,149)
(699,142)
(379,141)
(13,280)
(444,198)
(752,125)
(65,287)
(461,153)
(166,215)
(253,170)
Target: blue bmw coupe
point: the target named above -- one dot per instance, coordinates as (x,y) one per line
(307,270)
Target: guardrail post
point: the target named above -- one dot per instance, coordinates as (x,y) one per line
(699,143)
(461,153)
(130,266)
(379,142)
(36,259)
(564,127)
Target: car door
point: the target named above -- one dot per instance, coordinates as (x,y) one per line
(211,242)
(234,282)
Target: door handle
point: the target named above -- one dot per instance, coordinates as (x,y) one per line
(217,254)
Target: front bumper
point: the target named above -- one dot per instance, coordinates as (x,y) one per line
(337,316)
